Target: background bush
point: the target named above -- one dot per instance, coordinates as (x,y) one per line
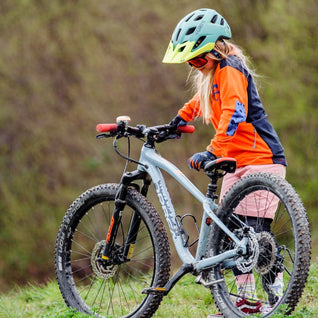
(67,65)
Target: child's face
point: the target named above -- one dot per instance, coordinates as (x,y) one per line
(204,59)
(208,66)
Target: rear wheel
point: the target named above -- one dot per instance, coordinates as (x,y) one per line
(112,289)
(276,267)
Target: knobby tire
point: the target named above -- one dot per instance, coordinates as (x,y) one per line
(284,248)
(113,290)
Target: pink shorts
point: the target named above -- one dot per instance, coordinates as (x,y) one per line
(260,203)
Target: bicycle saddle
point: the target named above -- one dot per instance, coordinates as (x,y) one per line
(225,164)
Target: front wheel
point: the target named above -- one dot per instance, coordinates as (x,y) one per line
(114,288)
(275,268)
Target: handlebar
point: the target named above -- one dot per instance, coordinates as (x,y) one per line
(155,133)
(102,128)
(188,129)
(106,128)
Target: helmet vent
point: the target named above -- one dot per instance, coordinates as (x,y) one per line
(178,34)
(189,17)
(190,31)
(198,17)
(200,40)
(214,18)
(181,48)
(222,21)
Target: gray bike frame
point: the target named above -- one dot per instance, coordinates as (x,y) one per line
(152,162)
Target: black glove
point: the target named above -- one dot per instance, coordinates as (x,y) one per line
(198,160)
(177,121)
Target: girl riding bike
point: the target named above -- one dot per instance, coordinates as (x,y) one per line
(226,96)
(252,249)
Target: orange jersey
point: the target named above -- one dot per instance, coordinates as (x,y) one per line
(242,130)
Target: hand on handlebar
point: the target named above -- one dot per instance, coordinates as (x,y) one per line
(154,134)
(177,121)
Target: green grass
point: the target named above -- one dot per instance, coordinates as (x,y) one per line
(186,300)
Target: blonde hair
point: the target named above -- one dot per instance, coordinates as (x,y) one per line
(202,82)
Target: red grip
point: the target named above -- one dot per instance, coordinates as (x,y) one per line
(106,127)
(188,129)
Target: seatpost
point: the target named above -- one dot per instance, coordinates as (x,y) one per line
(212,186)
(216,169)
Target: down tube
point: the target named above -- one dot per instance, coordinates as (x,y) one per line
(148,155)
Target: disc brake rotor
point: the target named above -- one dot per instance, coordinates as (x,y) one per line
(99,268)
(247,262)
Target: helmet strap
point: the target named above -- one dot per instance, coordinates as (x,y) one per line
(216,54)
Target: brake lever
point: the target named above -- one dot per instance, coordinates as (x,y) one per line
(99,136)
(162,138)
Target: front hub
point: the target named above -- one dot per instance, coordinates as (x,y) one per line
(100,267)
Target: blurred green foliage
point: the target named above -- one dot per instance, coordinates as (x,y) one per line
(67,65)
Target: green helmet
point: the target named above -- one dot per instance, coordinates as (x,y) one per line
(195,34)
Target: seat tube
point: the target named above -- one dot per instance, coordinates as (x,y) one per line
(203,236)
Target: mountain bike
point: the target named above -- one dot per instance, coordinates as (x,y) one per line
(112,254)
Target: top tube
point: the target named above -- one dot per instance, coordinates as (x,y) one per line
(152,159)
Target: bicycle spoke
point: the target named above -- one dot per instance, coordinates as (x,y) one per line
(265,284)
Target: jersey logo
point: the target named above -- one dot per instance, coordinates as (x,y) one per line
(215,92)
(238,116)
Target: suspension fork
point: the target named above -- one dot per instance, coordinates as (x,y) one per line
(120,203)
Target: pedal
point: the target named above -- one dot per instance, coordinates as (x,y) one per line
(154,290)
(201,281)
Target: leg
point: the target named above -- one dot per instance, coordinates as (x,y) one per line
(246,282)
(283,249)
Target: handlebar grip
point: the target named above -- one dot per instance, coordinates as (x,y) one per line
(106,128)
(188,129)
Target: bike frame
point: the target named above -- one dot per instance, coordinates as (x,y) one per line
(152,162)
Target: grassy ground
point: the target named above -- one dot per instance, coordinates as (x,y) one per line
(186,300)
